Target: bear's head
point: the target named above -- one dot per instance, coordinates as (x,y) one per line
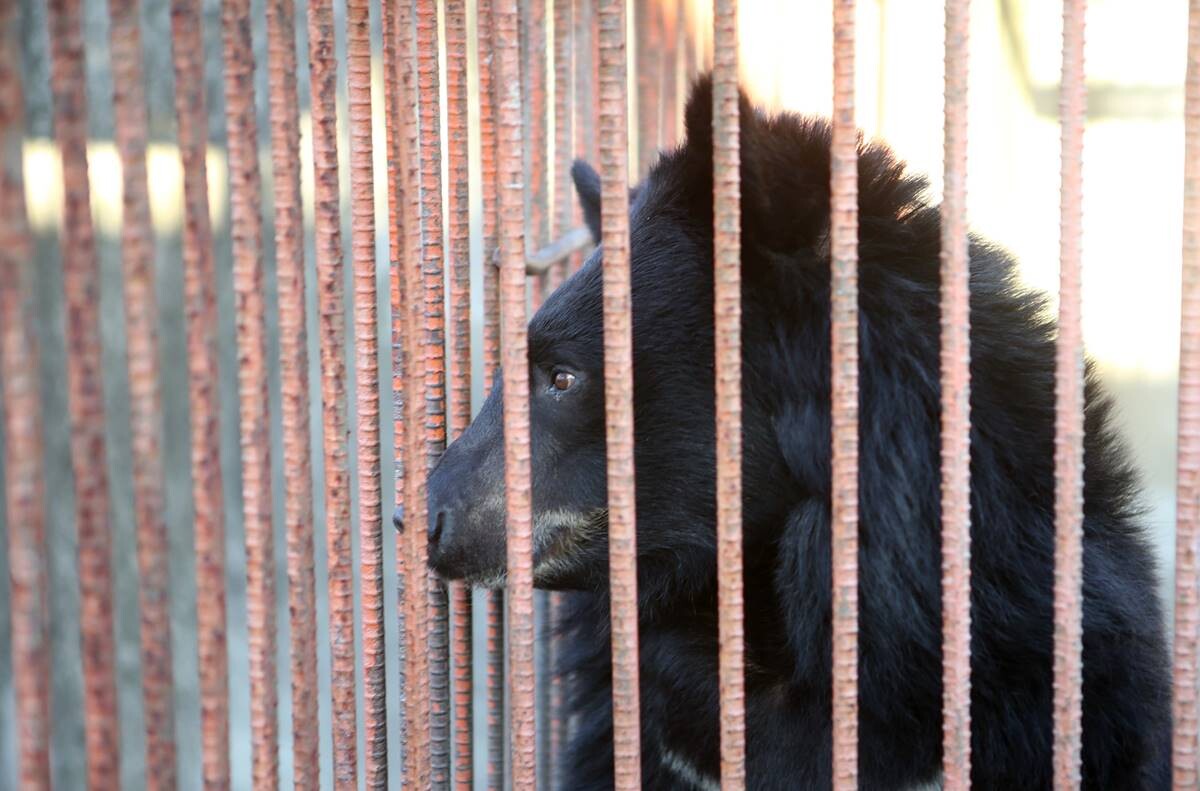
(785,199)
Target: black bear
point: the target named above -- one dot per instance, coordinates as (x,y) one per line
(786,397)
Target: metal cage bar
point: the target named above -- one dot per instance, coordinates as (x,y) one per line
(246,190)
(727,317)
(1187,531)
(458,359)
(24,453)
(331,330)
(956,414)
(201,317)
(145,407)
(844,338)
(366,360)
(618,393)
(284,116)
(1068,426)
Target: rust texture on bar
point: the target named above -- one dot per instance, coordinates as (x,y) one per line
(727,257)
(844,337)
(494,602)
(24,489)
(458,363)
(956,416)
(200,313)
(648,51)
(81,280)
(1068,431)
(366,360)
(533,75)
(584,139)
(1187,530)
(517,490)
(293,349)
(561,221)
(396,220)
(145,407)
(246,216)
(668,106)
(410,311)
(331,306)
(366,353)
(432,323)
(618,395)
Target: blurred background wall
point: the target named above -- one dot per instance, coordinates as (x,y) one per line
(1133,178)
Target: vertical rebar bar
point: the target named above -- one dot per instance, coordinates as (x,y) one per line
(956,415)
(667,107)
(1068,433)
(81,280)
(293,351)
(201,317)
(432,324)
(649,56)
(618,394)
(1187,531)
(844,326)
(727,339)
(518,500)
(411,311)
(145,407)
(334,407)
(458,363)
(562,218)
(24,490)
(396,219)
(246,216)
(494,601)
(366,361)
(586,98)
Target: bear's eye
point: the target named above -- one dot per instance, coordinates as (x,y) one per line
(563,380)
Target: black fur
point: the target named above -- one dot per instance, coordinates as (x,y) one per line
(785,177)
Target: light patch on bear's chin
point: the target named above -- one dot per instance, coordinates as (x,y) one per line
(558,535)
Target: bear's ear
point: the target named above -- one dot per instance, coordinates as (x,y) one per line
(587,185)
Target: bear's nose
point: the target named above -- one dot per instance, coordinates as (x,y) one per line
(439,525)
(398,519)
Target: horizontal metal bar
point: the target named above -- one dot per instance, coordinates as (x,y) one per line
(558,250)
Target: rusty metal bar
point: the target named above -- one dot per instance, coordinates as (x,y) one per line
(458,364)
(24,490)
(85,393)
(533,75)
(618,394)
(586,97)
(366,361)
(396,221)
(540,262)
(1187,530)
(844,315)
(648,52)
(668,106)
(956,415)
(1068,433)
(433,393)
(201,316)
(145,407)
(293,350)
(561,221)
(411,314)
(727,255)
(334,406)
(246,194)
(518,500)
(494,603)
